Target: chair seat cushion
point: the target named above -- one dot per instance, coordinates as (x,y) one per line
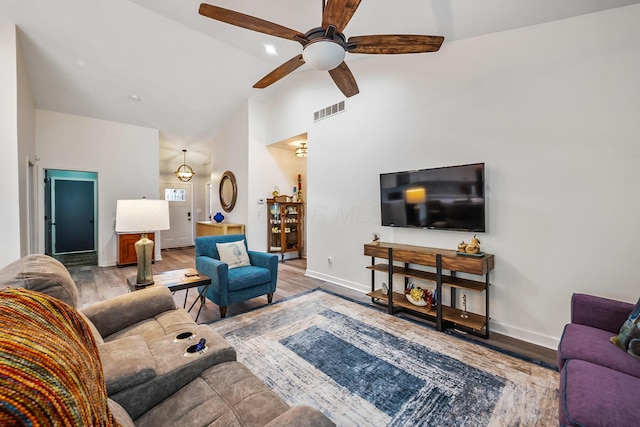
(596,396)
(247,277)
(593,345)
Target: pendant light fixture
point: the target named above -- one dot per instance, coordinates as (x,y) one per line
(184,172)
(302,150)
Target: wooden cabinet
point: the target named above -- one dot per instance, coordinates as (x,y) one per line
(210,228)
(442,267)
(284,227)
(127,250)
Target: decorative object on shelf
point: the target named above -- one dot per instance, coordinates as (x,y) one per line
(276,191)
(375,238)
(471,249)
(142,216)
(218,217)
(299,194)
(184,171)
(385,289)
(418,296)
(464,314)
(302,150)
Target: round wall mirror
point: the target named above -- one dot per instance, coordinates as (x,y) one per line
(228,191)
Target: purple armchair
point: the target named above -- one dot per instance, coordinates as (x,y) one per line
(599,382)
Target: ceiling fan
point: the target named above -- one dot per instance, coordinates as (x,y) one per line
(324,48)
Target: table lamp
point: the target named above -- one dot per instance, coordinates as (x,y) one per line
(142,216)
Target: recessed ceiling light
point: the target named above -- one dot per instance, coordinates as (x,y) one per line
(80,63)
(270,49)
(135,98)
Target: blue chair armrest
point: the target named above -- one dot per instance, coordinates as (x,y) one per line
(217,270)
(263,259)
(268,261)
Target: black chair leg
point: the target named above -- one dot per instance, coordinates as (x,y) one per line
(270,297)
(223,311)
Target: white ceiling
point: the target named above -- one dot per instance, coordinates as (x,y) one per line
(87,57)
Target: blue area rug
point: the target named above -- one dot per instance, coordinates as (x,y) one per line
(362,367)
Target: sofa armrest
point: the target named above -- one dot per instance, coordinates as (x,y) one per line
(598,312)
(301,415)
(117,313)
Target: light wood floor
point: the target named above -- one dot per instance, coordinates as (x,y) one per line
(97,284)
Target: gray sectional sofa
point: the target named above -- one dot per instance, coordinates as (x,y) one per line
(149,375)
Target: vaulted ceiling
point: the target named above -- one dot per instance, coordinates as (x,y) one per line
(190,73)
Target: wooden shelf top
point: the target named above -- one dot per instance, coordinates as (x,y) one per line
(427,256)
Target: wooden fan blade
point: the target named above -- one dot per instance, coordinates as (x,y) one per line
(345,81)
(395,44)
(249,22)
(339,13)
(286,68)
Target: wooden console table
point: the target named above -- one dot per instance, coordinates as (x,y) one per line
(210,228)
(437,260)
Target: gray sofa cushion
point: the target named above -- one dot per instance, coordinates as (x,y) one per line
(227,394)
(126,363)
(41,273)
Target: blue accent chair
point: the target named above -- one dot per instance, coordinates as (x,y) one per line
(240,283)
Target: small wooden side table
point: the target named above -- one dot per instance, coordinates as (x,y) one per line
(177,280)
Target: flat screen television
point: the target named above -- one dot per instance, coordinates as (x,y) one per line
(445,198)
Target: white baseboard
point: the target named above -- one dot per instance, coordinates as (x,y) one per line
(336,281)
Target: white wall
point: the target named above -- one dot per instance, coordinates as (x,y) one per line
(230,153)
(9,184)
(553,112)
(125,157)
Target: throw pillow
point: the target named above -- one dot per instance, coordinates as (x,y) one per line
(234,254)
(629,332)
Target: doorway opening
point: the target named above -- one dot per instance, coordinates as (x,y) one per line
(71,226)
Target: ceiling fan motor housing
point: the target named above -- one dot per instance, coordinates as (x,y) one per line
(325,49)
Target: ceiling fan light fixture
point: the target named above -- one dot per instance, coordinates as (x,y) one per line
(184,171)
(302,150)
(323,54)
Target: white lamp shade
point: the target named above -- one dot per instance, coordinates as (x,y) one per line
(142,215)
(323,54)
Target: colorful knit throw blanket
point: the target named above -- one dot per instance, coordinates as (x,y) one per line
(50,371)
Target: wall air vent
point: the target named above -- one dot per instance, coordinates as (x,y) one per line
(328,111)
